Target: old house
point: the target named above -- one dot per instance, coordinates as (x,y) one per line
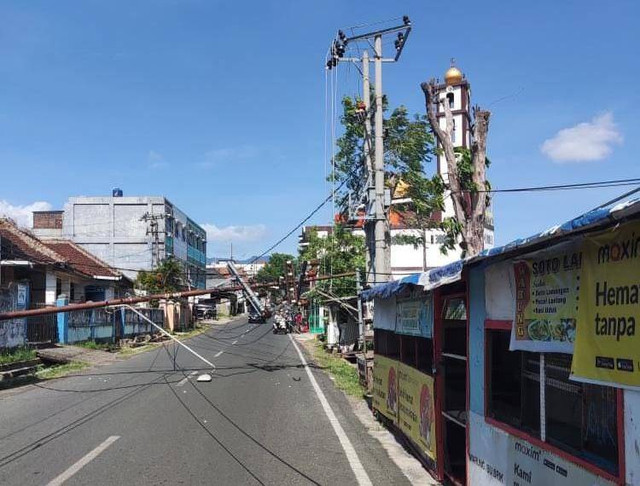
(34,273)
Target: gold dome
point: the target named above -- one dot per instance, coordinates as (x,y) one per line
(453,76)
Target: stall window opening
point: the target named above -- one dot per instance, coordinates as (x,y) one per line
(580,419)
(424,355)
(393,345)
(408,350)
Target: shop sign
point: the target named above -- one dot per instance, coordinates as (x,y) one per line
(498,458)
(416,408)
(547,285)
(415,315)
(607,343)
(23,291)
(385,387)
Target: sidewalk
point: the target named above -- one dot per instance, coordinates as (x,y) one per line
(67,354)
(407,462)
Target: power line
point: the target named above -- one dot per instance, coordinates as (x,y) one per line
(563,187)
(558,187)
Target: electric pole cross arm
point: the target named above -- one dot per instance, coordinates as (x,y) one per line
(374,196)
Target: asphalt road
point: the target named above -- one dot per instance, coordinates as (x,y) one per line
(260,421)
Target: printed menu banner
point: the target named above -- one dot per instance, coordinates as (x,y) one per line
(607,343)
(416,405)
(547,284)
(385,387)
(415,315)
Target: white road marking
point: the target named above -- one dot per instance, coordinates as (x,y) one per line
(354,461)
(234,342)
(218,354)
(83,462)
(186,378)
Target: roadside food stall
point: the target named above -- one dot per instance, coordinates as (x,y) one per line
(420,366)
(534,356)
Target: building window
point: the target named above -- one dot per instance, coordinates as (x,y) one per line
(580,419)
(72,292)
(450,100)
(453,132)
(58,287)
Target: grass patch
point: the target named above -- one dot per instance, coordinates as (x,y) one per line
(199,329)
(130,351)
(59,371)
(344,374)
(97,346)
(17,354)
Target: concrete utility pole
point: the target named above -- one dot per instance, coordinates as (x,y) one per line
(376,225)
(361,342)
(153,230)
(383,250)
(369,229)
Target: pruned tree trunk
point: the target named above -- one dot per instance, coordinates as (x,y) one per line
(468,206)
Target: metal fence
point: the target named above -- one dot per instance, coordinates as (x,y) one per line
(108,325)
(41,329)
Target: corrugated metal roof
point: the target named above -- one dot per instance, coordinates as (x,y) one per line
(436,277)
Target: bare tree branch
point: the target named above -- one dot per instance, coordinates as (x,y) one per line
(471,219)
(432,100)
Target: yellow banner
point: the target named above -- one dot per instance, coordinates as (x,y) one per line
(385,387)
(547,299)
(607,348)
(416,408)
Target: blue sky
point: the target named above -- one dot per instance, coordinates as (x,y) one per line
(220,105)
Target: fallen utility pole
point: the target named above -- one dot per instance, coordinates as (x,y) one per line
(5,316)
(250,294)
(175,340)
(127,300)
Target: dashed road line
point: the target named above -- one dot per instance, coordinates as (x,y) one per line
(186,378)
(83,462)
(218,354)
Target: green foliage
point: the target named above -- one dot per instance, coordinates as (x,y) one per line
(339,252)
(96,345)
(58,371)
(275,268)
(345,375)
(409,147)
(169,276)
(15,355)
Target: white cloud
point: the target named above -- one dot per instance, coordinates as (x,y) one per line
(23,215)
(584,142)
(228,155)
(234,233)
(155,160)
